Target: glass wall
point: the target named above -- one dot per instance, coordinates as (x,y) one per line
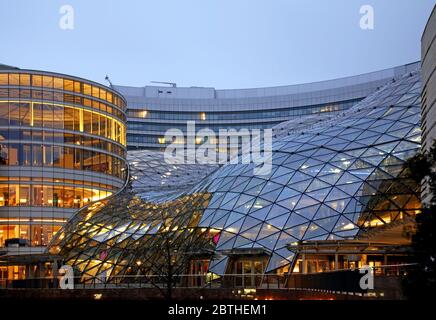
(57,156)
(54,127)
(75,87)
(267,112)
(87,134)
(35,234)
(58,116)
(163,127)
(151,124)
(60,196)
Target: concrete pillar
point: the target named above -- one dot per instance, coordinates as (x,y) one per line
(385,263)
(55,268)
(304,264)
(336,261)
(29,273)
(55,273)
(42,270)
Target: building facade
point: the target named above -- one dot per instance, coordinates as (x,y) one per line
(62,146)
(338,197)
(428,58)
(152,110)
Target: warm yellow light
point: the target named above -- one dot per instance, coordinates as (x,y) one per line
(81,120)
(48,220)
(296,268)
(348,226)
(376,222)
(161,140)
(115,123)
(99,194)
(202,116)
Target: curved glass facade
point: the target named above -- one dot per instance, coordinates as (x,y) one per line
(333,180)
(62,146)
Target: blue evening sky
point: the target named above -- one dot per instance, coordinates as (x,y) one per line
(219,43)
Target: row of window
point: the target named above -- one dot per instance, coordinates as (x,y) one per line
(242,115)
(55,181)
(49,137)
(13,195)
(65,84)
(36,234)
(161,128)
(54,116)
(133,139)
(59,97)
(37,155)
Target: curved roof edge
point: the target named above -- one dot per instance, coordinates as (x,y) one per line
(212,93)
(6,68)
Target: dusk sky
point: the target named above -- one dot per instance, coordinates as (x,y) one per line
(218,43)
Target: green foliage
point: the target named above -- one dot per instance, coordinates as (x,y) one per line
(420,283)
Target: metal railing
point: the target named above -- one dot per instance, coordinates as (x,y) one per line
(152,281)
(255,280)
(348,281)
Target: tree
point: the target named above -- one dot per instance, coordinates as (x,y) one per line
(173,250)
(420,282)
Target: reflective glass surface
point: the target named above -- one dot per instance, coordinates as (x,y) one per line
(62,146)
(333,178)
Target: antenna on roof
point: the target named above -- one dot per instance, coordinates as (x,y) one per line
(108,80)
(173,84)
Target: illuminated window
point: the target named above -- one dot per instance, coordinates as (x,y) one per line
(95,92)
(14,79)
(24,80)
(87,89)
(161,140)
(68,85)
(3,79)
(58,83)
(77,87)
(202,116)
(36,81)
(47,81)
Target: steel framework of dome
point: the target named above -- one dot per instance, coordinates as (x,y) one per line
(332,179)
